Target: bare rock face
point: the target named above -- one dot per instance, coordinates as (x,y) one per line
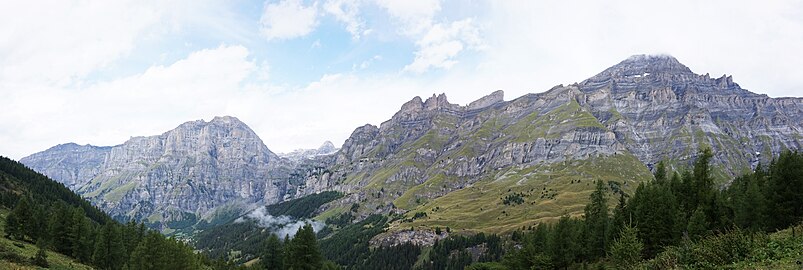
(659,109)
(327,148)
(495,97)
(70,163)
(180,175)
(633,114)
(650,107)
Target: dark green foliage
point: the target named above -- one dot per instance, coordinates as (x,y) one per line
(419,215)
(564,242)
(513,199)
(40,259)
(626,250)
(303,252)
(663,211)
(596,222)
(246,237)
(655,212)
(350,245)
(660,172)
(303,207)
(272,253)
(41,188)
(486,266)
(109,251)
(698,225)
(399,257)
(155,252)
(785,190)
(49,214)
(452,252)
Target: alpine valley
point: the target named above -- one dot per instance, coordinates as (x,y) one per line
(493,166)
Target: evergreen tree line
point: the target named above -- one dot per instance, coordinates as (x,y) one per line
(50,215)
(453,252)
(300,253)
(674,208)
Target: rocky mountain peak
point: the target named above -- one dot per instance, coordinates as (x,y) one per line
(491,99)
(327,147)
(639,66)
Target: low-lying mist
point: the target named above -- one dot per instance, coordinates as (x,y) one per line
(279,225)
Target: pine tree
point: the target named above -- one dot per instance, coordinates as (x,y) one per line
(40,259)
(21,221)
(655,211)
(13,226)
(620,214)
(109,249)
(698,225)
(660,172)
(304,251)
(596,221)
(272,254)
(785,191)
(564,242)
(626,251)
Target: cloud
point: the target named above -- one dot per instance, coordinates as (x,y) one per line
(441,44)
(438,43)
(288,19)
(59,42)
(415,16)
(280,225)
(347,12)
(109,112)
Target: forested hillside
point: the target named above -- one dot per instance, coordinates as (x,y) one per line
(71,233)
(680,220)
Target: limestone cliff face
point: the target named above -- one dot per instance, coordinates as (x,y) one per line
(659,109)
(327,148)
(180,175)
(70,163)
(650,108)
(612,126)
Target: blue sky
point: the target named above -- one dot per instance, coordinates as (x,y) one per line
(302,72)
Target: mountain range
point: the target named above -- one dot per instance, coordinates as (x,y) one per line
(492,165)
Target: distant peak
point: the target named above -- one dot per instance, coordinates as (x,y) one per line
(654,63)
(327,147)
(643,65)
(491,99)
(651,57)
(225,119)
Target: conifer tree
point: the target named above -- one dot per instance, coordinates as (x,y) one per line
(272,253)
(304,251)
(626,251)
(40,259)
(596,221)
(698,225)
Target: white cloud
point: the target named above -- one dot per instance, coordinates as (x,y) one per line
(108,113)
(438,43)
(441,44)
(523,46)
(61,41)
(415,16)
(347,12)
(288,19)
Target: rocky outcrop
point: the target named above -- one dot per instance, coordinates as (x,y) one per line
(298,155)
(659,109)
(650,107)
(633,114)
(181,174)
(70,163)
(494,98)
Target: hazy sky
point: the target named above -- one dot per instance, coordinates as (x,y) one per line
(302,72)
